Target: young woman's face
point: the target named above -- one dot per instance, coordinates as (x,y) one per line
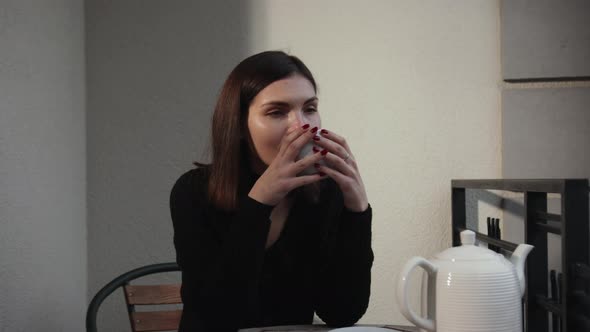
(282,104)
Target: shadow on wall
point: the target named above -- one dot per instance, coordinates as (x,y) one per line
(154,69)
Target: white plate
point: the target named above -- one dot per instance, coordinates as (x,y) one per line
(362,329)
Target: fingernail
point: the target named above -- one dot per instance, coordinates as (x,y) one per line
(314,129)
(317,165)
(324,152)
(321,173)
(316,138)
(316,150)
(305,126)
(324,132)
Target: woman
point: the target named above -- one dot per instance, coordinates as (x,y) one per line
(258,242)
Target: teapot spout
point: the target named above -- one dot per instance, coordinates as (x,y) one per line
(518,259)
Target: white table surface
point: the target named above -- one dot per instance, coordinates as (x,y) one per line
(321,328)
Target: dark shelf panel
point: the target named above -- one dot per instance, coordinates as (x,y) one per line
(555,186)
(573,227)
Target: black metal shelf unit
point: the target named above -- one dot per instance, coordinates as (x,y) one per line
(573,227)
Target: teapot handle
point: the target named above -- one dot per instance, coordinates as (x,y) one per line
(402,292)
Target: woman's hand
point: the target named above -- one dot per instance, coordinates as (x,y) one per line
(281,175)
(343,169)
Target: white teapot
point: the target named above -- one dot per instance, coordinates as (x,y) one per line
(470,289)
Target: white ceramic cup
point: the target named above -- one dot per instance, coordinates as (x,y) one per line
(306,150)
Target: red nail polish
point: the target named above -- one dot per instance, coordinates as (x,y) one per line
(314,129)
(305,126)
(324,132)
(321,173)
(316,165)
(324,152)
(316,138)
(315,150)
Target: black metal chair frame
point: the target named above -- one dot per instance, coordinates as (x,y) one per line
(573,227)
(121,281)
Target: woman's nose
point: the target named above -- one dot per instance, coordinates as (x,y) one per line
(297,118)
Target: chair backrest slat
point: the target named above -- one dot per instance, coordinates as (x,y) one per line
(153,294)
(142,295)
(146,321)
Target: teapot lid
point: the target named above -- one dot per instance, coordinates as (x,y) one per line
(468,250)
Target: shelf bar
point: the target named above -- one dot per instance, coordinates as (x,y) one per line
(537,276)
(574,241)
(547,216)
(459,217)
(496,242)
(517,185)
(549,227)
(548,304)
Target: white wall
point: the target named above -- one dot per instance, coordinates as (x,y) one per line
(42,166)
(414,86)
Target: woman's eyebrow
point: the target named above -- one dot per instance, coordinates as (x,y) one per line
(275,103)
(312,99)
(282,103)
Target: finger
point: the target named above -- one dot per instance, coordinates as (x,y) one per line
(295,127)
(292,134)
(305,162)
(303,180)
(341,165)
(344,182)
(336,138)
(335,148)
(292,149)
(355,198)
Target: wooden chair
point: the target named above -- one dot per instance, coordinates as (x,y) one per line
(138,295)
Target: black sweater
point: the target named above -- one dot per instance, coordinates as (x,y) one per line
(321,262)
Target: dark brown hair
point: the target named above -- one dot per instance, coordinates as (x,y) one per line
(231,143)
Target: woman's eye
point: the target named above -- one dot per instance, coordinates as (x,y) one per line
(276,113)
(311,110)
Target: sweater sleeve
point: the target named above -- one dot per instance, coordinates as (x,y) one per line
(221,262)
(343,284)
